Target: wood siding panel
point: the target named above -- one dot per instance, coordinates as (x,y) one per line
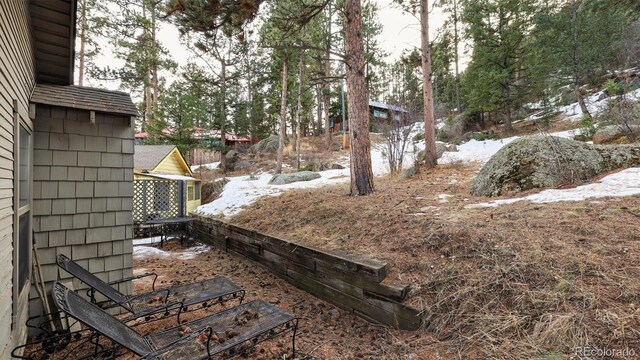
(17,79)
(171,165)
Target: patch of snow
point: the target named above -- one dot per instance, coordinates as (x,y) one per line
(143,252)
(242,191)
(146,241)
(623,183)
(482,151)
(191,252)
(444,198)
(209,166)
(596,103)
(239,193)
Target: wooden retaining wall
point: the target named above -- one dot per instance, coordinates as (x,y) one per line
(351,283)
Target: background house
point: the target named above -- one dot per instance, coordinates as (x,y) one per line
(202,144)
(379,115)
(66,163)
(164,184)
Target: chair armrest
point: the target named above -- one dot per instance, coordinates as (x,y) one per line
(136,277)
(186,339)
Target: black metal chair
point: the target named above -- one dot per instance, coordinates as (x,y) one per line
(204,293)
(250,323)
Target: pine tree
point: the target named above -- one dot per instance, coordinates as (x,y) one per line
(498,29)
(361,169)
(132,26)
(91,25)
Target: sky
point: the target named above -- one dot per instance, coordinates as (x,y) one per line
(401,31)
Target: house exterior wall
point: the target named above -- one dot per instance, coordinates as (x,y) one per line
(171,165)
(197,201)
(83,194)
(17,79)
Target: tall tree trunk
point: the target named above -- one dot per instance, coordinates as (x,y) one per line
(576,60)
(250,101)
(283,116)
(223,116)
(318,127)
(345,123)
(148,100)
(83,41)
(361,171)
(298,112)
(154,66)
(456,41)
(431,157)
(327,89)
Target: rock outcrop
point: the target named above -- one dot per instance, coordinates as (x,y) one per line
(617,133)
(548,161)
(282,179)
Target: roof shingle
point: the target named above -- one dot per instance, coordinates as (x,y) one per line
(86,98)
(147,157)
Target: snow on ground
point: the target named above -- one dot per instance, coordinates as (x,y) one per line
(242,191)
(623,183)
(482,151)
(209,166)
(597,104)
(146,241)
(142,252)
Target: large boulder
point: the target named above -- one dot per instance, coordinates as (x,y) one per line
(441,148)
(282,179)
(453,128)
(614,133)
(548,161)
(231,159)
(268,145)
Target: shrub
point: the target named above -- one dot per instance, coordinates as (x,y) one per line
(588,126)
(612,88)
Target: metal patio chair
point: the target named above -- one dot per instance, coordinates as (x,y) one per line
(205,293)
(68,341)
(206,341)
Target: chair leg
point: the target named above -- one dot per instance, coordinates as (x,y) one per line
(293,338)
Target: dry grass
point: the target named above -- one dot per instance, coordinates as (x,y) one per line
(518,281)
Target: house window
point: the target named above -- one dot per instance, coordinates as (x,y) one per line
(190,193)
(24,208)
(379,114)
(22,223)
(397,117)
(198,190)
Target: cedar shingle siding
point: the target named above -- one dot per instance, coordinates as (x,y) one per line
(83,193)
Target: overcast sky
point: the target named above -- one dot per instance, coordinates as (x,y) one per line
(401,31)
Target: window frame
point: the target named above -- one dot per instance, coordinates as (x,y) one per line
(197,190)
(21,295)
(191,191)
